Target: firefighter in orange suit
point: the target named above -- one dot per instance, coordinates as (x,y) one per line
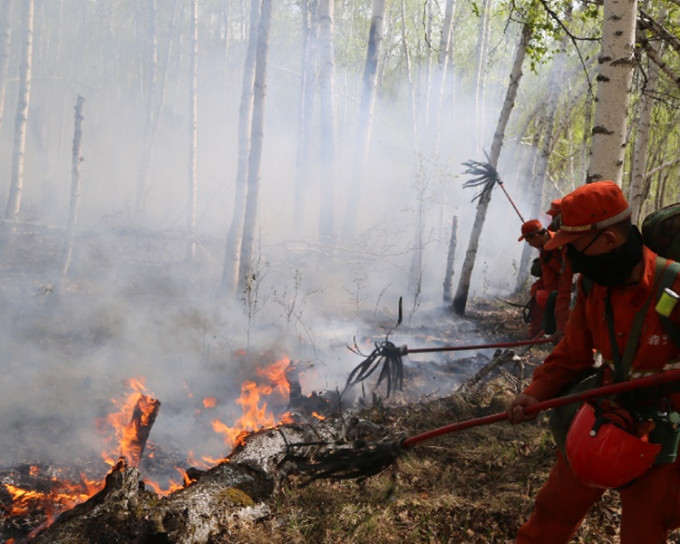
(544,289)
(564,288)
(607,250)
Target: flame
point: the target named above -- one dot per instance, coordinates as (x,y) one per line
(137,410)
(62,496)
(256,414)
(126,429)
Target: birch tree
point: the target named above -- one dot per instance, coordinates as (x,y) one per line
(74,203)
(5,37)
(307,85)
(613,91)
(366,111)
(480,80)
(328,123)
(639,183)
(246,271)
(438,87)
(233,245)
(193,133)
(17,178)
(461,296)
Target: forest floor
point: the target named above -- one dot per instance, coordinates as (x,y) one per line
(471,486)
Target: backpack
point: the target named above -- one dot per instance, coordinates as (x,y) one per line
(661,231)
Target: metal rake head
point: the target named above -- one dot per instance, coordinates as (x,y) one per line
(385,356)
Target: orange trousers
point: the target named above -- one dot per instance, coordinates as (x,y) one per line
(650,506)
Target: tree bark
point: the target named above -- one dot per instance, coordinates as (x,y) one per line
(448,275)
(328,122)
(193,135)
(480,84)
(639,183)
(233,245)
(256,138)
(613,91)
(307,85)
(76,159)
(17,179)
(460,299)
(365,121)
(438,86)
(5,36)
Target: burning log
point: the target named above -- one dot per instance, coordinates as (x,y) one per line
(137,431)
(216,499)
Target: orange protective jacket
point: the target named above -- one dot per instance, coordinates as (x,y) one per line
(587,330)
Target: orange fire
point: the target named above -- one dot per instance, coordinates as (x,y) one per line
(62,496)
(124,431)
(135,415)
(256,415)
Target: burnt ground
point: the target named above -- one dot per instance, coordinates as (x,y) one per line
(472,486)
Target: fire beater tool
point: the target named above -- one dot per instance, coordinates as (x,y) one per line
(360,459)
(488,177)
(389,356)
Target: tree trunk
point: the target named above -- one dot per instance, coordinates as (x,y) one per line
(328,128)
(365,121)
(246,272)
(150,88)
(233,245)
(555,84)
(157,85)
(448,275)
(411,86)
(438,86)
(76,159)
(5,35)
(460,299)
(17,179)
(193,134)
(639,184)
(307,85)
(613,91)
(480,82)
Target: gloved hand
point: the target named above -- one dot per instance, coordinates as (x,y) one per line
(516,413)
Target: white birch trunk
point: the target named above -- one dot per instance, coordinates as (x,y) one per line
(461,296)
(233,244)
(413,110)
(150,88)
(76,159)
(328,123)
(193,134)
(246,271)
(307,86)
(639,184)
(480,80)
(17,179)
(438,87)
(5,36)
(613,91)
(365,121)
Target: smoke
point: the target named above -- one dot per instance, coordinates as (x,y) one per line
(132,306)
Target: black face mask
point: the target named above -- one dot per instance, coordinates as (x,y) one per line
(609,269)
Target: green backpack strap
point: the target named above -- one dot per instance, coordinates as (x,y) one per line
(668,276)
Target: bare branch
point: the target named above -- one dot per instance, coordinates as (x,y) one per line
(663,66)
(647,22)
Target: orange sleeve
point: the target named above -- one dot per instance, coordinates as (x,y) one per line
(563,296)
(570,358)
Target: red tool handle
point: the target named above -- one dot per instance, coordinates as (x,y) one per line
(603,391)
(479,346)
